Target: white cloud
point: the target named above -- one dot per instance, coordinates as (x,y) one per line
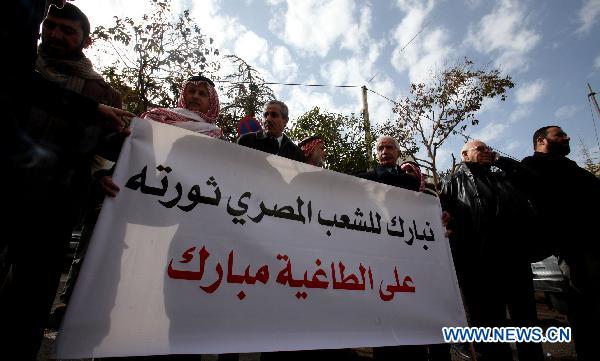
(421,54)
(588,15)
(284,68)
(597,62)
(530,92)
(302,99)
(566,111)
(357,36)
(313,26)
(355,70)
(358,70)
(380,109)
(489,105)
(336,71)
(503,33)
(518,114)
(515,144)
(472,4)
(231,36)
(252,48)
(490,132)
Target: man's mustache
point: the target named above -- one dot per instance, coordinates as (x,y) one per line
(54,43)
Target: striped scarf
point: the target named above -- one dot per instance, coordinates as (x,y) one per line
(70,74)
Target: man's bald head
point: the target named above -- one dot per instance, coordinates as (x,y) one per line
(476,151)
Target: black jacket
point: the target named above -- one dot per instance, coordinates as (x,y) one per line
(260,141)
(381,175)
(568,198)
(492,223)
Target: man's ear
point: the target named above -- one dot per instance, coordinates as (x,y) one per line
(463,155)
(87,42)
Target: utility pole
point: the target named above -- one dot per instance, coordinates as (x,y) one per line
(252,88)
(367,124)
(593,96)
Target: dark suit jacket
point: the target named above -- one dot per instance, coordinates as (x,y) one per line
(381,175)
(260,141)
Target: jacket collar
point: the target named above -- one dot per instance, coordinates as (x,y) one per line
(383,169)
(261,135)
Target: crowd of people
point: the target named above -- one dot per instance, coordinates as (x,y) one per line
(66,133)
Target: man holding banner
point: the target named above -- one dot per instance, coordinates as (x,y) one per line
(263,255)
(388,172)
(272,139)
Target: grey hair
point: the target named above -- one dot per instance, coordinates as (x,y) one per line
(282,106)
(382,137)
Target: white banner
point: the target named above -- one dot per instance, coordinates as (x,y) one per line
(211,247)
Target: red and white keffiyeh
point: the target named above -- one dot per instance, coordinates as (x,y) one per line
(309,147)
(192,120)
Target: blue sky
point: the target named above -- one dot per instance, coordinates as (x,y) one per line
(550,48)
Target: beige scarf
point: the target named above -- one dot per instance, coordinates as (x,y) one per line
(70,74)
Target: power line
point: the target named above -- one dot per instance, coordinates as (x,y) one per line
(289,84)
(417,34)
(348,86)
(413,38)
(467,137)
(383,96)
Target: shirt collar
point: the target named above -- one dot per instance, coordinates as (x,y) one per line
(279,139)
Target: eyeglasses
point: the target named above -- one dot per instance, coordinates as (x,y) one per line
(481,148)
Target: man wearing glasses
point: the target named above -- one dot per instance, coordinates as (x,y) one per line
(490,230)
(272,140)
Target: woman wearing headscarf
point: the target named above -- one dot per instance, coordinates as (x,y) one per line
(197,108)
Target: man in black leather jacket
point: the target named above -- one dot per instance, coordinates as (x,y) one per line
(489,230)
